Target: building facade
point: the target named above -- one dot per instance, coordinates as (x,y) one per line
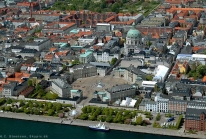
(83,71)
(62,88)
(133,42)
(177,106)
(120,92)
(195,119)
(86,57)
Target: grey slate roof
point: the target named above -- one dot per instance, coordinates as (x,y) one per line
(119,88)
(194,114)
(86,65)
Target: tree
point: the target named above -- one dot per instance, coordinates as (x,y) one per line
(51,112)
(158,117)
(9,101)
(145,4)
(83,116)
(149,77)
(29,82)
(8,108)
(132,12)
(50,105)
(109,119)
(139,120)
(76,62)
(38,87)
(113,61)
(149,43)
(58,106)
(156,88)
(22,103)
(26,111)
(2,101)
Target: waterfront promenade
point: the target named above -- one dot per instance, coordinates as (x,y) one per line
(76,122)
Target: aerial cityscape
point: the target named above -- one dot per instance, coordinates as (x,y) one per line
(127,65)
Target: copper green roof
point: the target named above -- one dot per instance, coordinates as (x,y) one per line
(133,32)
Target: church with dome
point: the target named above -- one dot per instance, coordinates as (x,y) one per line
(133,42)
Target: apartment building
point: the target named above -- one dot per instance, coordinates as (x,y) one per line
(195,118)
(177,106)
(83,71)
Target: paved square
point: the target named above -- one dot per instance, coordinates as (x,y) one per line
(89,85)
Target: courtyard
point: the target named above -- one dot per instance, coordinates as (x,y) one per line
(95,83)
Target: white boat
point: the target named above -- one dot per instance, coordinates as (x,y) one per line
(99,127)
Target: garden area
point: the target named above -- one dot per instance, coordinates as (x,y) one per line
(112,115)
(40,93)
(34,107)
(101,6)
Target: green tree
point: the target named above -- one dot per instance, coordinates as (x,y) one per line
(29,82)
(51,112)
(50,105)
(109,119)
(9,101)
(8,108)
(92,117)
(58,107)
(22,103)
(113,61)
(2,101)
(145,5)
(139,120)
(27,111)
(83,116)
(149,77)
(158,117)
(76,62)
(132,12)
(38,87)
(156,88)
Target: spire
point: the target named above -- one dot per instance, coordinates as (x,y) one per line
(133,25)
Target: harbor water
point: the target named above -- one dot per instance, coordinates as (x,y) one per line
(22,129)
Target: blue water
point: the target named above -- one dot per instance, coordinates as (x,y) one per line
(21,129)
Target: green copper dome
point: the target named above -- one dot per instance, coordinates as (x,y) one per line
(133,32)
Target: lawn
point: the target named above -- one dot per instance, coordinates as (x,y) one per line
(51,96)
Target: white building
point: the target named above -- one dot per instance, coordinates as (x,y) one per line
(86,57)
(103,27)
(162,104)
(62,88)
(106,55)
(149,83)
(160,73)
(87,41)
(151,106)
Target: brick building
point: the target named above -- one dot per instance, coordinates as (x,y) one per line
(195,119)
(177,106)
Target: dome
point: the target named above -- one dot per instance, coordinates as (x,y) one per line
(133,32)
